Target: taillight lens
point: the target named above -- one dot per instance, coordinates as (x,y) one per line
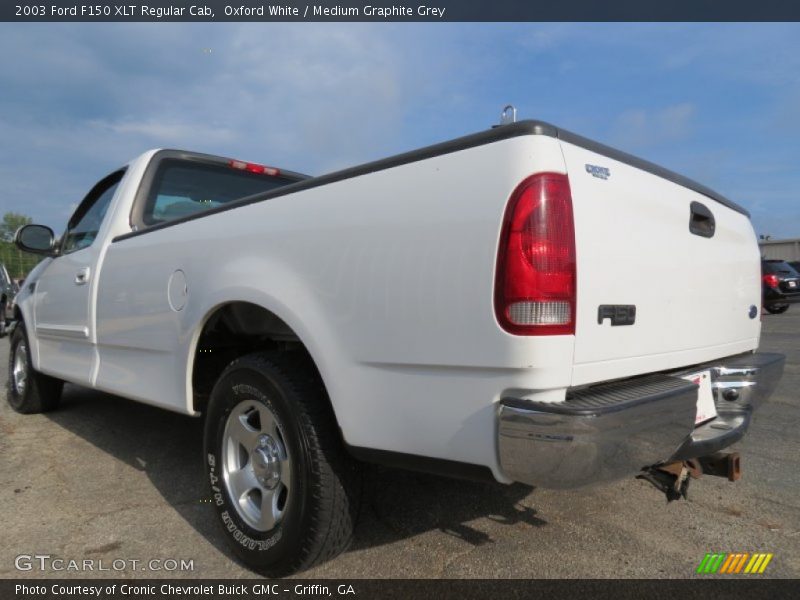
(535,286)
(771,280)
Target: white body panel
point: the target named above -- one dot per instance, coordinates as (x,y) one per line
(63,307)
(396,310)
(692,294)
(388,280)
(63,324)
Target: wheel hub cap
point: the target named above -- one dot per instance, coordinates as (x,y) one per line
(267,462)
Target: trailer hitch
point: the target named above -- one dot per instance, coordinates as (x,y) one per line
(722,464)
(673,478)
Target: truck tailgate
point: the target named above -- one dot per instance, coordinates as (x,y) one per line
(694,295)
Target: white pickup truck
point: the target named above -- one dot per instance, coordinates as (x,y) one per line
(521,303)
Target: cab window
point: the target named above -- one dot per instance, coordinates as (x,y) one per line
(183,188)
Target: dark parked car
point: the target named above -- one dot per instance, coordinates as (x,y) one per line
(795,264)
(780,284)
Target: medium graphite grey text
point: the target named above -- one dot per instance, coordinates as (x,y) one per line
(335,11)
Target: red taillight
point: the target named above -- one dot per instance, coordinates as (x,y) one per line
(771,280)
(254,168)
(535,285)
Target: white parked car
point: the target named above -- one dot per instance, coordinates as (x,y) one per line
(521,304)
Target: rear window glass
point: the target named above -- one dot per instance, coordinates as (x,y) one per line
(183,188)
(779,268)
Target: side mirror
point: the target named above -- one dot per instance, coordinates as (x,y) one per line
(36,239)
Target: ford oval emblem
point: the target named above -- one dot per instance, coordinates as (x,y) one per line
(753,311)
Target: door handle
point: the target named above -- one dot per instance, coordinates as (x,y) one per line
(701,220)
(82,276)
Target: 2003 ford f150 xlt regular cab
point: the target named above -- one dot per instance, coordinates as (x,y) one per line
(470,308)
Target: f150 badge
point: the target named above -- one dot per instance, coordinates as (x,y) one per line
(618,314)
(599,172)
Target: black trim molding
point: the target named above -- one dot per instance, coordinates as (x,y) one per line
(423,464)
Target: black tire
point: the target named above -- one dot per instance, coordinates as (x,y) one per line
(321,505)
(777,309)
(3,321)
(40,392)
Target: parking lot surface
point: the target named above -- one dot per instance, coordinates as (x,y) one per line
(108,479)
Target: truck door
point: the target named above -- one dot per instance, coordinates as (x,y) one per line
(63,304)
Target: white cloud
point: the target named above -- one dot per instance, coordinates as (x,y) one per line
(167,133)
(639,127)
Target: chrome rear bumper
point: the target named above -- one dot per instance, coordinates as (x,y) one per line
(613,430)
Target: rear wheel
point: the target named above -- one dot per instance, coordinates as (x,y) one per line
(777,309)
(29,391)
(284,488)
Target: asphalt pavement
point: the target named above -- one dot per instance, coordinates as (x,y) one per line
(121,485)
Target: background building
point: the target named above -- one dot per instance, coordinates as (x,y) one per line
(783,249)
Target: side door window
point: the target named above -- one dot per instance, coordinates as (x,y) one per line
(85,223)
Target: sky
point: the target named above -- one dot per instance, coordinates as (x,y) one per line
(719,103)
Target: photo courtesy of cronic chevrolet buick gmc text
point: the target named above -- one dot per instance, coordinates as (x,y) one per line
(465,309)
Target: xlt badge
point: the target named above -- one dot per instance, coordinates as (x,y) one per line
(599,172)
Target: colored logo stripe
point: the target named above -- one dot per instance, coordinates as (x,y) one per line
(736,563)
(721,562)
(740,564)
(728,562)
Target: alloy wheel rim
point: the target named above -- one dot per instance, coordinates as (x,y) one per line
(256,466)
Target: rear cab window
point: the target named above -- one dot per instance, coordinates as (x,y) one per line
(182,188)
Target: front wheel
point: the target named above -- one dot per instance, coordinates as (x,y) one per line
(777,309)
(27,390)
(283,486)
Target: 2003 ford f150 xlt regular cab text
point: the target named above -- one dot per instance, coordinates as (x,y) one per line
(470,308)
